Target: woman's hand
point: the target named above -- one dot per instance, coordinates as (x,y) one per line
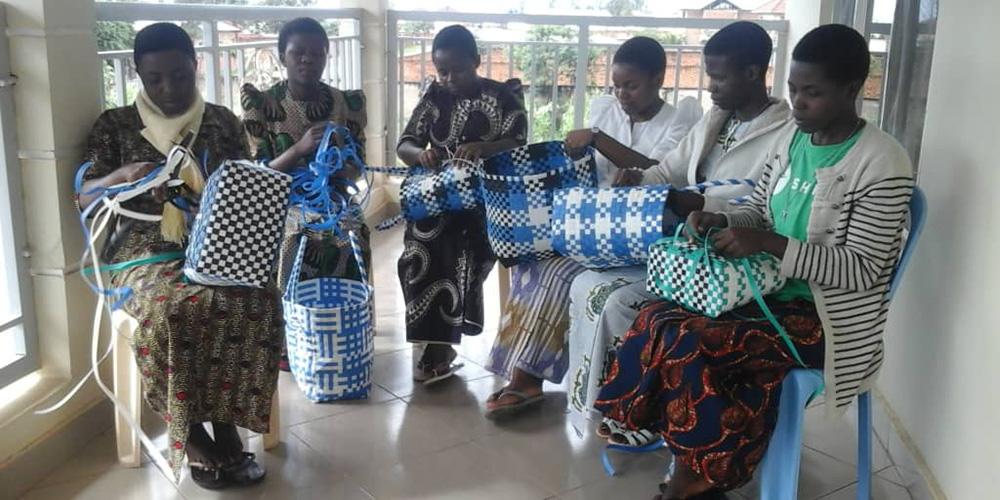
(429,158)
(739,242)
(577,140)
(472,151)
(684,203)
(628,177)
(699,223)
(132,172)
(307,144)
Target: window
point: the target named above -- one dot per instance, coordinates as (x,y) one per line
(18,345)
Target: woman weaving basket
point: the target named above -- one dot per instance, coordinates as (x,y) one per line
(207,354)
(285,125)
(447,258)
(629,128)
(830,205)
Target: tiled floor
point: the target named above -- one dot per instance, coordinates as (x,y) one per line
(410,442)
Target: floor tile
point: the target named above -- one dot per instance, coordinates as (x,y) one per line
(394,371)
(838,437)
(461,472)
(881,490)
(291,467)
(819,475)
(461,403)
(145,483)
(549,451)
(378,435)
(97,457)
(296,408)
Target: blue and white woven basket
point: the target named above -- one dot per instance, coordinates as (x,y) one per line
(518,186)
(328,327)
(608,227)
(238,229)
(427,193)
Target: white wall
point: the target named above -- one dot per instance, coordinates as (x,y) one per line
(942,374)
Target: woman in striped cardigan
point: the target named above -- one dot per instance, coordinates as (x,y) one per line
(831,205)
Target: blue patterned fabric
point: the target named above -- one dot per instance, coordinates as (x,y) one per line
(610,227)
(328,326)
(518,186)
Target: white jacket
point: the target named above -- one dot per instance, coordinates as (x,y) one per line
(744,160)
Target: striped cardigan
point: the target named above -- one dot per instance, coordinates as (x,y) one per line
(853,242)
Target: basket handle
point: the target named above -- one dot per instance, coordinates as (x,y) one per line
(359,257)
(292,283)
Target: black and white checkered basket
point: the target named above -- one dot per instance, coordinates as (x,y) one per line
(609,227)
(696,277)
(518,186)
(235,237)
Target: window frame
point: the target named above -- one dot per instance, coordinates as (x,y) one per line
(12,229)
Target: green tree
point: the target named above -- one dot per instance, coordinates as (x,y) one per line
(416,28)
(114,35)
(625,7)
(664,37)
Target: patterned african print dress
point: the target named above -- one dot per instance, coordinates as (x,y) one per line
(274,122)
(446,259)
(206,354)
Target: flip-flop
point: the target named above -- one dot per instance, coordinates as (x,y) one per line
(512,409)
(442,371)
(210,478)
(245,471)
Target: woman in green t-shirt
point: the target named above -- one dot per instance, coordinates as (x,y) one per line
(830,204)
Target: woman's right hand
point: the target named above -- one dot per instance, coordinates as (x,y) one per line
(132,172)
(577,140)
(628,177)
(430,158)
(307,144)
(700,223)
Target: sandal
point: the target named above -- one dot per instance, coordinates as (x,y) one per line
(609,426)
(245,471)
(525,402)
(442,371)
(634,439)
(210,478)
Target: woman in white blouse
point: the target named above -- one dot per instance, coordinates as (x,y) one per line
(633,128)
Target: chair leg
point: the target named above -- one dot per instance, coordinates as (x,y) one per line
(865,446)
(779,471)
(128,389)
(273,437)
(504,280)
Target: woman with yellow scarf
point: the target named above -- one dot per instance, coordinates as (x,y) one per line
(206,354)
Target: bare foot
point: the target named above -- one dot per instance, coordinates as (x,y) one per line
(685,483)
(227,438)
(202,451)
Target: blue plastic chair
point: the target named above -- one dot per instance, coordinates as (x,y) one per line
(779,471)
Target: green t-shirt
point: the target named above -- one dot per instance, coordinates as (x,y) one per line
(791,203)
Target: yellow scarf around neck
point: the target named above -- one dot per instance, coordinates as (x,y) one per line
(163,132)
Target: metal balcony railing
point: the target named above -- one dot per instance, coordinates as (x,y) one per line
(225,65)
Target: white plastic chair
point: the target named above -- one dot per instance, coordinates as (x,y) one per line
(128,389)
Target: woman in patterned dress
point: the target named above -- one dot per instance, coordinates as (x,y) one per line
(830,205)
(633,128)
(447,258)
(206,354)
(285,125)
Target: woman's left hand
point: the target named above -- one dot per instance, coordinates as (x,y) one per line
(739,242)
(472,151)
